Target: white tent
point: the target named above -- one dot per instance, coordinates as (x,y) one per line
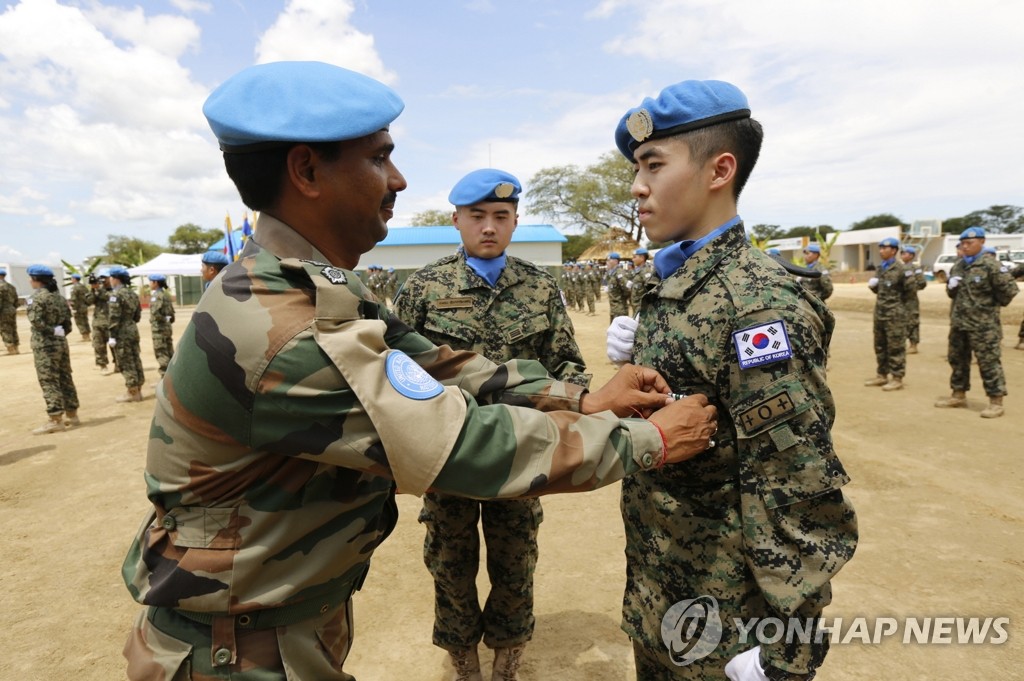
(170,263)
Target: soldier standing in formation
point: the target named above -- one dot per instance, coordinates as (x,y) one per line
(588,279)
(637,284)
(890,319)
(81,299)
(758,525)
(915,282)
(391,287)
(819,286)
(9,302)
(978,287)
(295,404)
(50,319)
(618,287)
(125,312)
(212,263)
(161,321)
(504,308)
(1018,273)
(101,322)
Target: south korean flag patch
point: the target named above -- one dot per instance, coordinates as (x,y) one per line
(762,344)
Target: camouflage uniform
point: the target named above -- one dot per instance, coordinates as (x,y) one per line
(391,288)
(290,411)
(46,311)
(9,303)
(101,325)
(587,282)
(618,292)
(890,319)
(974,324)
(1018,272)
(81,299)
(759,522)
(915,282)
(638,285)
(125,312)
(521,317)
(579,286)
(820,286)
(161,321)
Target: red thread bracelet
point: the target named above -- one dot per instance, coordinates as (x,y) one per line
(664,445)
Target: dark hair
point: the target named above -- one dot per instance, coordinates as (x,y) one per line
(49,282)
(740,138)
(161,284)
(259,175)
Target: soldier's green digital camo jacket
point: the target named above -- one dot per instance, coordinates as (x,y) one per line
(161,311)
(759,522)
(292,403)
(985,286)
(81,298)
(819,286)
(892,290)
(46,311)
(123,313)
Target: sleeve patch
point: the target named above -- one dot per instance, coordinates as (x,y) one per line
(767,411)
(409,378)
(762,344)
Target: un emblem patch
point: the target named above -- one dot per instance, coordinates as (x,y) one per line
(409,378)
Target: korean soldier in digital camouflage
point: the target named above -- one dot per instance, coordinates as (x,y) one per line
(502,307)
(50,319)
(617,280)
(758,525)
(161,321)
(124,312)
(639,276)
(81,298)
(889,323)
(294,404)
(820,286)
(101,321)
(9,302)
(916,281)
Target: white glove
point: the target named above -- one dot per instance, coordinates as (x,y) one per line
(620,337)
(953,283)
(112,342)
(58,331)
(872,282)
(167,319)
(746,666)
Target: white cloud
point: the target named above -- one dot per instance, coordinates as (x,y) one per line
(191,6)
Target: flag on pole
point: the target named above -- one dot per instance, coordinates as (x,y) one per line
(246,228)
(229,245)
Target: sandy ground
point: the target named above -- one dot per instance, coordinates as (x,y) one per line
(938,493)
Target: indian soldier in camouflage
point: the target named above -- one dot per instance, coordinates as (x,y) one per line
(618,287)
(499,306)
(639,277)
(295,404)
(758,525)
(891,287)
(978,287)
(125,311)
(819,286)
(563,283)
(81,299)
(9,302)
(101,321)
(161,321)
(50,319)
(589,278)
(916,281)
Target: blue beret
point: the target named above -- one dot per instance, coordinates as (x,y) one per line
(157,277)
(640,251)
(391,269)
(39,271)
(891,242)
(685,106)
(972,233)
(910,249)
(298,101)
(3,272)
(118,271)
(615,255)
(76,275)
(813,248)
(773,251)
(215,258)
(486,184)
(989,249)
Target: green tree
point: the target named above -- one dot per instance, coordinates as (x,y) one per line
(191,238)
(431,218)
(998,219)
(129,250)
(765,233)
(576,244)
(808,231)
(596,198)
(955,225)
(880,220)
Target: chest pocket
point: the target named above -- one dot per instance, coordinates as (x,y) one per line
(450,327)
(525,330)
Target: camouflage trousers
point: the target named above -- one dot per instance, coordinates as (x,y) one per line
(9,329)
(167,646)
(913,323)
(590,299)
(890,346)
(163,346)
(100,336)
(451,552)
(1020,334)
(987,348)
(53,368)
(129,361)
(618,308)
(82,322)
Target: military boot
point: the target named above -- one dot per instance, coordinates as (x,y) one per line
(506,663)
(895,383)
(466,662)
(957,400)
(85,336)
(912,349)
(71,418)
(54,425)
(994,409)
(876,381)
(133,395)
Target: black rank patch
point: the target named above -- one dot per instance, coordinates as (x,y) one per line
(767,411)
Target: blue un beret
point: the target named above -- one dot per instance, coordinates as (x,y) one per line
(157,277)
(486,184)
(614,255)
(640,251)
(989,249)
(972,233)
(685,106)
(215,258)
(813,248)
(39,271)
(76,275)
(910,249)
(118,271)
(298,101)
(3,272)
(773,251)
(891,242)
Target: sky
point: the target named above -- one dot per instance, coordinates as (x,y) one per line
(913,108)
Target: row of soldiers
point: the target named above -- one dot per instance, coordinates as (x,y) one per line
(383,284)
(625,283)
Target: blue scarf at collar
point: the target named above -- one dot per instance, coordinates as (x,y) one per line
(671,258)
(969,259)
(886,264)
(489,269)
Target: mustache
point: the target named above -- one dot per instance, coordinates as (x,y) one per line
(389,200)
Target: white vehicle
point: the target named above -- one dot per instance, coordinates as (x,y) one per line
(944,263)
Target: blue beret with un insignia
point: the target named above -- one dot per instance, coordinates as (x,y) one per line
(910,249)
(118,271)
(972,233)
(689,105)
(486,184)
(157,277)
(614,256)
(39,271)
(890,242)
(298,101)
(813,248)
(215,258)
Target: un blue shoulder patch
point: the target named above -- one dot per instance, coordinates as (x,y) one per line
(409,378)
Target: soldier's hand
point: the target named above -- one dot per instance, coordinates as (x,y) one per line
(633,391)
(112,342)
(873,282)
(746,666)
(953,283)
(620,337)
(688,426)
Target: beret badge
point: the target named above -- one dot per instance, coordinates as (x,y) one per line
(640,125)
(504,190)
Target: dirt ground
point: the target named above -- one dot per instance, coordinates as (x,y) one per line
(938,494)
